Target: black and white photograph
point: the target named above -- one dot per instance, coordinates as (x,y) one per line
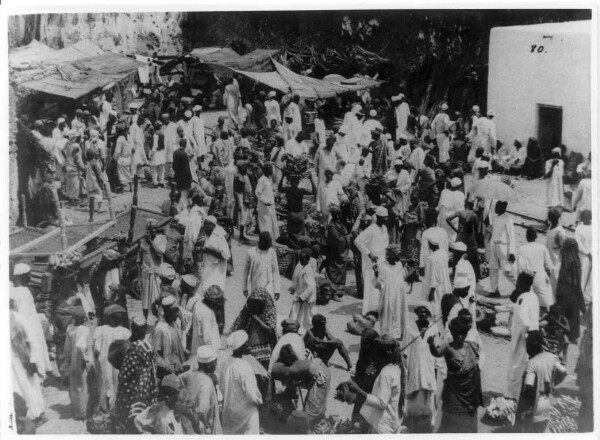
(361,221)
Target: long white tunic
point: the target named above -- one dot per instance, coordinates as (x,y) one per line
(108,376)
(381,406)
(198,135)
(262,270)
(583,235)
(373,240)
(440,235)
(450,203)
(554,185)
(464,271)
(305,292)
(440,125)
(421,363)
(401,113)
(436,277)
(215,269)
(171,140)
(205,330)
(25,305)
(273,110)
(582,197)
(486,134)
(267,216)
(526,313)
(241,398)
(393,303)
(534,258)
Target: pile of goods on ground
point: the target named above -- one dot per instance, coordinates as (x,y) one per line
(501,411)
(564,414)
(67,261)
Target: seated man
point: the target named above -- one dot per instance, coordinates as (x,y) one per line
(320,342)
(311,374)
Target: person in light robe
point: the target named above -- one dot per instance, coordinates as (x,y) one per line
(26,378)
(295,146)
(198,133)
(293,110)
(261,268)
(326,160)
(380,162)
(353,126)
(24,304)
(267,216)
(555,236)
(73,168)
(500,246)
(417,160)
(170,140)
(272,107)
(393,302)
(200,393)
(161,417)
(331,194)
(369,125)
(441,126)
(582,197)
(104,336)
(421,384)
(166,337)
(436,280)
(525,318)
(432,231)
(555,170)
(138,158)
(304,290)
(463,276)
(452,200)
(382,404)
(78,363)
(534,258)
(372,243)
(216,253)
(486,133)
(123,155)
(204,307)
(320,130)
(241,396)
(149,259)
(583,235)
(399,179)
(401,113)
(232,99)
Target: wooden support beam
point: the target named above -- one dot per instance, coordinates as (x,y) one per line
(91,236)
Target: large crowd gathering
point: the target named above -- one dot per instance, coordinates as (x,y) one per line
(361,182)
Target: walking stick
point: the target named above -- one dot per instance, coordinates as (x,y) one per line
(411,342)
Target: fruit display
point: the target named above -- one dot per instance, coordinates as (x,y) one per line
(68,260)
(564,414)
(501,410)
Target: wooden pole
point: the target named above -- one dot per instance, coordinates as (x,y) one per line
(63,227)
(133,209)
(23,210)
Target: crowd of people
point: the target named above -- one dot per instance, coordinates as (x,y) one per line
(382,187)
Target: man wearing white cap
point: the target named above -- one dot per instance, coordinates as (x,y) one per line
(105,110)
(475,114)
(353,125)
(293,110)
(401,113)
(399,179)
(198,134)
(463,276)
(370,124)
(534,258)
(138,158)
(486,133)
(436,281)
(452,200)
(24,304)
(167,339)
(200,394)
(149,259)
(555,170)
(441,127)
(272,107)
(171,142)
(372,243)
(241,396)
(216,253)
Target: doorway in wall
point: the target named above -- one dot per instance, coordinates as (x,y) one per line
(549,127)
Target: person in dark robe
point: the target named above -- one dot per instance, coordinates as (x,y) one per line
(534,163)
(221,208)
(294,196)
(338,242)
(568,288)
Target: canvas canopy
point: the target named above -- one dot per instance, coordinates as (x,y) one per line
(25,57)
(287,81)
(214,54)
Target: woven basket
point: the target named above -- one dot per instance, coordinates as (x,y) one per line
(285,256)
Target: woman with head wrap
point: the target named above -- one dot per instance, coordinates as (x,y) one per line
(534,163)
(393,304)
(258,319)
(462,388)
(568,288)
(366,368)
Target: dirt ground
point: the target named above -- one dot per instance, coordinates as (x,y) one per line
(497,351)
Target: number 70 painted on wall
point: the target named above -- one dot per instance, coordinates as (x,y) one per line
(540,49)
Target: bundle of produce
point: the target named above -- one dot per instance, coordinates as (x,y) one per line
(564,414)
(297,167)
(501,410)
(65,261)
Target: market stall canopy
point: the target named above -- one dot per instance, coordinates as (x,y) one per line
(220,59)
(79,50)
(23,57)
(214,54)
(287,81)
(80,78)
(356,80)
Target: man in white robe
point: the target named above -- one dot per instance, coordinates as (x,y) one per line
(401,113)
(501,246)
(272,107)
(525,318)
(24,304)
(171,142)
(433,231)
(452,200)
(216,253)
(441,127)
(261,268)
(417,159)
(583,235)
(369,125)
(486,133)
(436,280)
(555,170)
(582,197)
(295,146)
(331,194)
(241,396)
(304,289)
(372,243)
(534,258)
(205,329)
(393,303)
(463,277)
(139,154)
(353,125)
(267,216)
